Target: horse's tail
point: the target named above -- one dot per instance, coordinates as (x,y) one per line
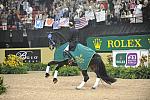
(101,71)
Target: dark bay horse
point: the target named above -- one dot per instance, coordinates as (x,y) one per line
(65,54)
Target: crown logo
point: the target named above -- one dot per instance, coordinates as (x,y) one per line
(97,43)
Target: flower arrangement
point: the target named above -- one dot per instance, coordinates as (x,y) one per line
(143,60)
(110,59)
(13,61)
(13,64)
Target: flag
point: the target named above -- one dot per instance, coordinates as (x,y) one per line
(49,22)
(100,16)
(64,22)
(89,15)
(39,23)
(56,24)
(80,23)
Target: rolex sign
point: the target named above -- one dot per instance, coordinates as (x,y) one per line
(28,56)
(110,43)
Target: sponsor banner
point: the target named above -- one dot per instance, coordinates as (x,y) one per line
(29,56)
(127,58)
(110,43)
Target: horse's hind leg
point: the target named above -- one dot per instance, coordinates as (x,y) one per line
(96,82)
(85,79)
(95,69)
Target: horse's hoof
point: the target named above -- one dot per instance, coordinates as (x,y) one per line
(78,88)
(55,80)
(47,75)
(93,88)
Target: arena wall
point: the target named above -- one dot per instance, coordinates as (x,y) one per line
(46,54)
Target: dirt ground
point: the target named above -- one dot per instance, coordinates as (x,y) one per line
(34,86)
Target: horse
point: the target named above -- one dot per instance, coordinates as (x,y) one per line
(56,40)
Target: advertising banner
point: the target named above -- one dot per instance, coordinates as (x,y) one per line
(130,58)
(29,56)
(110,43)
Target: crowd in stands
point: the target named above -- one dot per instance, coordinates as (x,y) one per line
(19,14)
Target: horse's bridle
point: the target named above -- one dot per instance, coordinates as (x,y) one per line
(52,43)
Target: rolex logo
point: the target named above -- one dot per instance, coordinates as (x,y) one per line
(97,43)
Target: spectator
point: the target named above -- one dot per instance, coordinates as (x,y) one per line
(123,10)
(17,19)
(146,10)
(10,19)
(117,8)
(29,11)
(25,6)
(4,20)
(138,9)
(132,5)
(29,21)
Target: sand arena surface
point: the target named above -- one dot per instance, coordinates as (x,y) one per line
(34,86)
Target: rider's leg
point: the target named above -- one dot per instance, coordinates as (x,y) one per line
(85,79)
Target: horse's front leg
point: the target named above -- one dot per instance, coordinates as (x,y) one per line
(55,75)
(85,79)
(56,72)
(48,67)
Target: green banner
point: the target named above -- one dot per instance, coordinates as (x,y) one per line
(110,43)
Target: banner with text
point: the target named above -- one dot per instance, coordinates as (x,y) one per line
(110,43)
(127,58)
(29,56)
(130,58)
